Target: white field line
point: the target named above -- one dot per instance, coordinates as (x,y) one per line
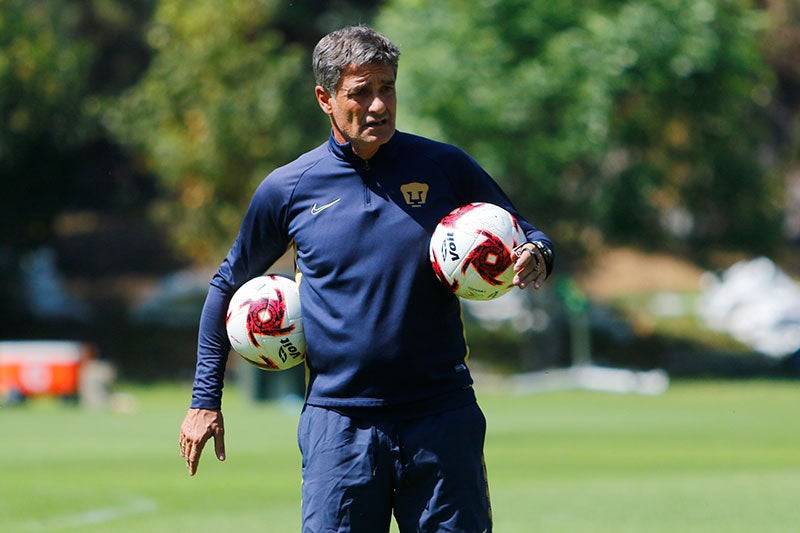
(90,517)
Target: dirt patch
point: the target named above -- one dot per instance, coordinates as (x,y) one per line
(625,271)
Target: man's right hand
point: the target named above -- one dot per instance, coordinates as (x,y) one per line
(199,426)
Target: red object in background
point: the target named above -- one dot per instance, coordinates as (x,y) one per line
(37,368)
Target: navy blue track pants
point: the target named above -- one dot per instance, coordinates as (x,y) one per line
(429,471)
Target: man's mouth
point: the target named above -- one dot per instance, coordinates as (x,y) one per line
(374,123)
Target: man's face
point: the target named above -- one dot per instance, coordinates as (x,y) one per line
(363,109)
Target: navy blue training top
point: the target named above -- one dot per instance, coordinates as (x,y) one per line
(384,337)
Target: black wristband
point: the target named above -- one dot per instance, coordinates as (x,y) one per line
(547,254)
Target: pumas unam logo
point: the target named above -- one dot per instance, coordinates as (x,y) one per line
(415,194)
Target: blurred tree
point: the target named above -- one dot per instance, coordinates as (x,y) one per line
(227,98)
(43,70)
(637,120)
(782,50)
(53,55)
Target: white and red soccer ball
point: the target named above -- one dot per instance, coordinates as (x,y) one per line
(265,323)
(472,250)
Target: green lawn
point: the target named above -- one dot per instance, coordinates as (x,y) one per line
(702,457)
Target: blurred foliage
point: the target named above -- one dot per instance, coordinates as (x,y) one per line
(663,123)
(227,98)
(43,68)
(641,120)
(215,108)
(782,51)
(53,55)
(782,42)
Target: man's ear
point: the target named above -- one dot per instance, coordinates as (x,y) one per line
(323,99)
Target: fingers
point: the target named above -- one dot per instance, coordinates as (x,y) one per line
(219,443)
(523,280)
(530,268)
(199,426)
(191,451)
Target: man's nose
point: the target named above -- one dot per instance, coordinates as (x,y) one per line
(377,105)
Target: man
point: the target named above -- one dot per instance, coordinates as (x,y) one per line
(390,422)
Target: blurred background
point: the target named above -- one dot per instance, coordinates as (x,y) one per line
(655,141)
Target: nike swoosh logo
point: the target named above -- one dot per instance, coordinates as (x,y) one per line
(317,210)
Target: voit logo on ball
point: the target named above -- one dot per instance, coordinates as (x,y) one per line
(449,248)
(288,349)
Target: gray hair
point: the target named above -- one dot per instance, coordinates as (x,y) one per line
(353,45)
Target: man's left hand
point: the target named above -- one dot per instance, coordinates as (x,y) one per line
(530,266)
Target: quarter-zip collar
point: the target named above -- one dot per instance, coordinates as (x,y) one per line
(344,151)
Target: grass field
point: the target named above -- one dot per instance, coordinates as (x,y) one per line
(703,457)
